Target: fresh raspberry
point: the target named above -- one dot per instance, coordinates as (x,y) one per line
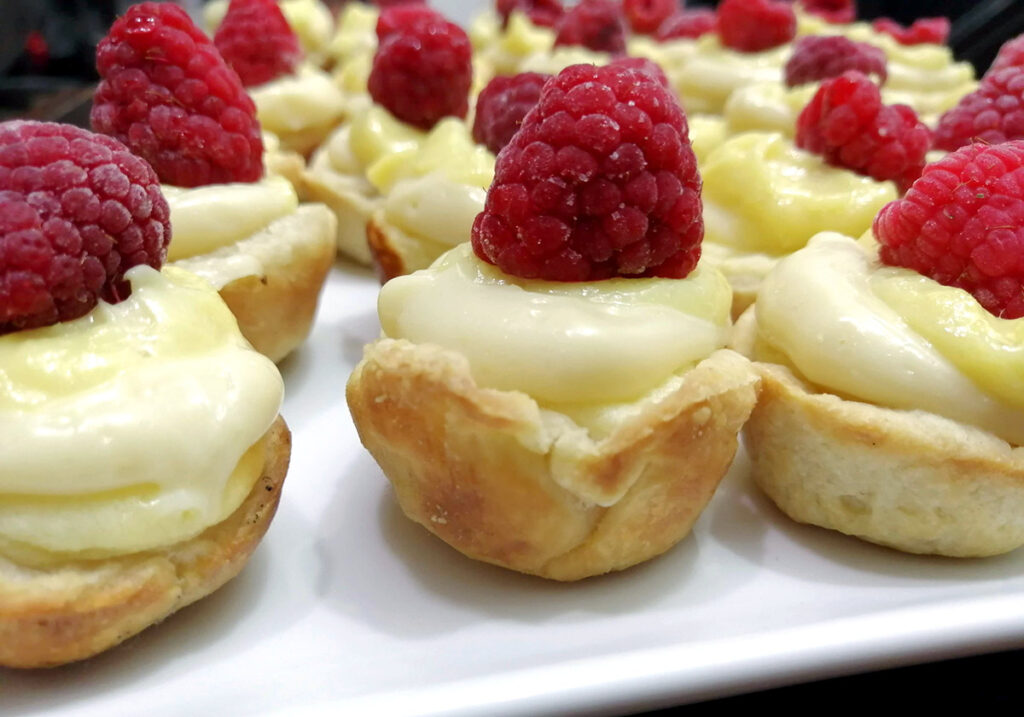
(257,42)
(819,57)
(993,113)
(1011,54)
(167,94)
(595,24)
(502,105)
(422,72)
(545,13)
(645,16)
(77,210)
(836,12)
(962,224)
(847,124)
(405,17)
(599,181)
(933,30)
(755,25)
(687,24)
(647,66)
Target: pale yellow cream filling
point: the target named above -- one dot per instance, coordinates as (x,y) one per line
(819,309)
(571,346)
(762,194)
(126,429)
(206,218)
(309,99)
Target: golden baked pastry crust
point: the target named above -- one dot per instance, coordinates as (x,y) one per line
(395,253)
(909,480)
(52,616)
(275,308)
(503,481)
(352,199)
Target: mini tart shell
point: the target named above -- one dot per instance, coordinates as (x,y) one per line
(394,252)
(501,480)
(352,199)
(71,611)
(275,309)
(909,480)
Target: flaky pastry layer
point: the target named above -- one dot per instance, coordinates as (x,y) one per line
(503,481)
(275,306)
(910,480)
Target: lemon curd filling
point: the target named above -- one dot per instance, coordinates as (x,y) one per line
(706,80)
(207,218)
(890,338)
(763,194)
(578,348)
(506,50)
(136,426)
(305,101)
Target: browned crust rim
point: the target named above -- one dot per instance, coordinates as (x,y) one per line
(53,616)
(503,482)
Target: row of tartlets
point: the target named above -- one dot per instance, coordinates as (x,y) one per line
(559,386)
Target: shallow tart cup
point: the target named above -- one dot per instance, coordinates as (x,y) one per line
(265,253)
(496,459)
(110,528)
(431,194)
(336,175)
(891,442)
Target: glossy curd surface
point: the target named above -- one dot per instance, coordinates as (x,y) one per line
(135,426)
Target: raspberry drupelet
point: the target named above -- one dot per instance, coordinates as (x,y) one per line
(168,95)
(595,24)
(819,57)
(1011,54)
(257,42)
(422,70)
(405,17)
(600,181)
(687,24)
(502,106)
(847,124)
(77,210)
(755,25)
(962,224)
(992,114)
(933,30)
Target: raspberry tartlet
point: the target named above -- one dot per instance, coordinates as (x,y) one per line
(166,92)
(553,397)
(111,527)
(893,409)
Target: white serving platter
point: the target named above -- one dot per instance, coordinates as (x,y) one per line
(349,608)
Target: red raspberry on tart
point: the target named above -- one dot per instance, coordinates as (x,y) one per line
(962,224)
(597,25)
(833,11)
(819,57)
(847,124)
(645,16)
(422,70)
(168,95)
(502,105)
(755,25)
(992,114)
(934,30)
(257,42)
(689,24)
(77,210)
(1011,54)
(600,181)
(545,13)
